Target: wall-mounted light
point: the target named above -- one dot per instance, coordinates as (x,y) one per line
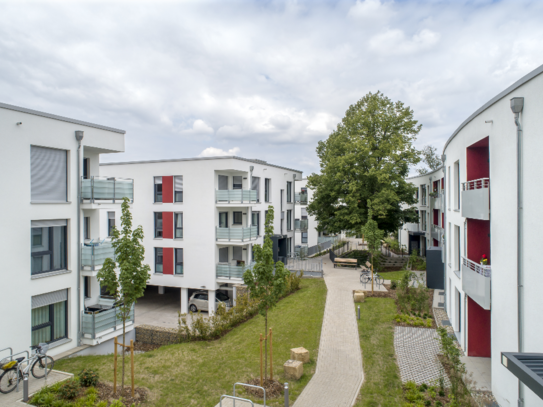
(19,123)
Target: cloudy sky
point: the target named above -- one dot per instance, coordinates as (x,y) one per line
(259,79)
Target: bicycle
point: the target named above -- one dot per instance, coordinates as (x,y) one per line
(14,372)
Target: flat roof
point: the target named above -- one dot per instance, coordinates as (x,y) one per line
(427,174)
(255,161)
(61,118)
(499,96)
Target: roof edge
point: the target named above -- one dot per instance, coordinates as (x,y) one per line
(61,118)
(427,174)
(222,157)
(517,84)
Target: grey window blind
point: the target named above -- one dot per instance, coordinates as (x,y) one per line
(255,186)
(49,298)
(238,253)
(223,182)
(49,223)
(158,180)
(111,215)
(304,213)
(237,182)
(48,174)
(223,255)
(178,183)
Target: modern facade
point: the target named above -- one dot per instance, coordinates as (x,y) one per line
(492,166)
(49,229)
(306,225)
(202,216)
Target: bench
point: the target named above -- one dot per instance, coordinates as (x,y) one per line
(339,262)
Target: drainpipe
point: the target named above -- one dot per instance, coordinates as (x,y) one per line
(293,216)
(79,137)
(517,105)
(444,239)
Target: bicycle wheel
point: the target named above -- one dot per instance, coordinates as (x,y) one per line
(8,380)
(38,368)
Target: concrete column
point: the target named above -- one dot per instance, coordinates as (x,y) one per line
(184,300)
(234,296)
(211,305)
(161,289)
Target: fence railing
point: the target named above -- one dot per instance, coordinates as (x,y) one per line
(484,270)
(107,189)
(237,233)
(235,195)
(95,322)
(228,271)
(301,224)
(333,239)
(476,184)
(94,254)
(305,265)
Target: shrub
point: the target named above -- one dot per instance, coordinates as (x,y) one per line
(88,378)
(439,404)
(393,284)
(69,389)
(294,280)
(427,403)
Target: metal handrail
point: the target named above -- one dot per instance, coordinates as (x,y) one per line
(484,270)
(480,183)
(10,351)
(235,398)
(250,385)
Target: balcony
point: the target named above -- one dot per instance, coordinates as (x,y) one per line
(476,199)
(439,201)
(239,234)
(98,323)
(107,189)
(301,198)
(437,232)
(235,196)
(476,282)
(300,224)
(229,272)
(93,256)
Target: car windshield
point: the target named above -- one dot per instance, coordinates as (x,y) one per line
(222,297)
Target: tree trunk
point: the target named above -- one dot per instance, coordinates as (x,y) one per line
(124,332)
(266,346)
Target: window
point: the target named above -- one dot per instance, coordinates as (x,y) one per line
(237,253)
(223,182)
(110,223)
(238,218)
(255,186)
(423,194)
(237,182)
(86,227)
(158,189)
(255,221)
(49,323)
(417,195)
(289,219)
(304,213)
(223,219)
(303,195)
(179,261)
(267,187)
(457,185)
(87,287)
(48,246)
(223,255)
(158,224)
(178,188)
(304,237)
(48,174)
(178,225)
(423,220)
(457,259)
(289,191)
(159,260)
(104,293)
(449,190)
(86,168)
(289,245)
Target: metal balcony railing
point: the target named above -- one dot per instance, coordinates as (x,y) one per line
(476,184)
(228,271)
(301,198)
(437,232)
(94,254)
(481,269)
(235,195)
(107,189)
(476,282)
(96,323)
(242,234)
(300,224)
(476,199)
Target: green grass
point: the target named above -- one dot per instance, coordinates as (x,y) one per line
(382,385)
(198,373)
(392,275)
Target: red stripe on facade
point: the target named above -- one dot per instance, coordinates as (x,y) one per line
(167,189)
(167,260)
(478,330)
(167,225)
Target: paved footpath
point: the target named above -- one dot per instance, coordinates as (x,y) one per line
(339,373)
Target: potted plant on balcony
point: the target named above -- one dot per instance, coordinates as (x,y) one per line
(484,260)
(434,194)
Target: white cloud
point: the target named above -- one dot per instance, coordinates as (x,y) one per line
(217,152)
(395,42)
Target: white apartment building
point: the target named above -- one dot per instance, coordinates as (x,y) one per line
(493,192)
(44,285)
(305,225)
(429,231)
(202,216)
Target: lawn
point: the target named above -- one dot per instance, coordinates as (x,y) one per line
(382,385)
(198,373)
(392,275)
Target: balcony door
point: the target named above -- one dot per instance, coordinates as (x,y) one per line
(223,182)
(223,219)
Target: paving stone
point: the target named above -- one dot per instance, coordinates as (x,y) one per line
(440,304)
(445,322)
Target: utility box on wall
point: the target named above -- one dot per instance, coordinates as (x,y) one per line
(435,268)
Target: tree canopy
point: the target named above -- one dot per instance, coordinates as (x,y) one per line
(364,163)
(430,158)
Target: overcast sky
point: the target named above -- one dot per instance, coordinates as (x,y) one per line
(260,79)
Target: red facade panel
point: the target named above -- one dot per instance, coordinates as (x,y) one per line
(167,260)
(436,243)
(436,217)
(167,189)
(167,225)
(477,165)
(478,239)
(442,220)
(478,330)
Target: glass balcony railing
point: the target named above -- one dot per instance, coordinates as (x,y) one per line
(301,198)
(93,323)
(228,271)
(241,234)
(235,195)
(300,224)
(107,189)
(94,254)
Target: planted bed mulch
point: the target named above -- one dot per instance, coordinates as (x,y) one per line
(274,389)
(105,393)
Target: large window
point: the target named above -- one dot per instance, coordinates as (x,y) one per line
(223,219)
(86,227)
(304,237)
(158,189)
(237,182)
(178,261)
(289,191)
(223,255)
(178,225)
(49,323)
(158,224)
(87,286)
(178,188)
(267,189)
(255,221)
(238,218)
(159,260)
(48,246)
(289,219)
(110,223)
(48,174)
(457,185)
(255,186)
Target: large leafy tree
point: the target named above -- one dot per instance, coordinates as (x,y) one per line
(267,280)
(430,158)
(129,283)
(364,163)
